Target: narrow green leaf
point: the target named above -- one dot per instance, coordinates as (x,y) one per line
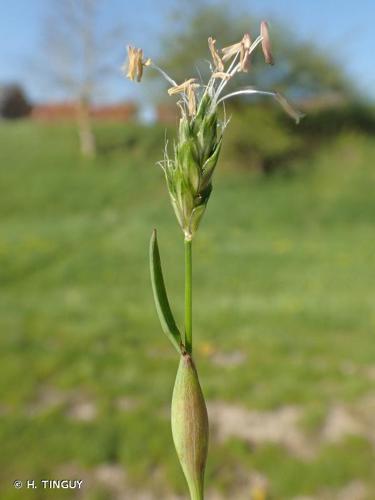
(163,309)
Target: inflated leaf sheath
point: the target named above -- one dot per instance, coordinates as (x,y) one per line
(190,425)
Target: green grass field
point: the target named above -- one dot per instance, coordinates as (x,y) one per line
(284,319)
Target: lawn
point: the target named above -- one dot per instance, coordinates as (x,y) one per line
(284,319)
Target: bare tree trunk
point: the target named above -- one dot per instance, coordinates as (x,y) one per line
(88,146)
(77,48)
(86,134)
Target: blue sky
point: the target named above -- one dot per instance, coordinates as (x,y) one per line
(344,28)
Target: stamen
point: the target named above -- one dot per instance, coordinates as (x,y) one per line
(219,65)
(139,64)
(192,102)
(221,74)
(245,54)
(288,108)
(134,66)
(129,68)
(280,98)
(163,73)
(231,50)
(246,41)
(231,71)
(266,43)
(245,92)
(181,88)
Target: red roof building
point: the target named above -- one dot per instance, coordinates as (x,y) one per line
(68,110)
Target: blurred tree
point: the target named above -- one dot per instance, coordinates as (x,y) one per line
(251,146)
(13,102)
(301,69)
(79,57)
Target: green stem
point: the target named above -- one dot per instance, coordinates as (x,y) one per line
(188,296)
(196,492)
